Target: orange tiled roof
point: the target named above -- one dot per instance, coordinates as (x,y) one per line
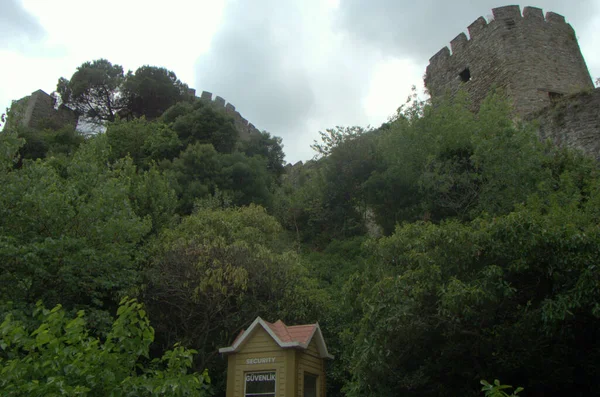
(296,336)
(294,333)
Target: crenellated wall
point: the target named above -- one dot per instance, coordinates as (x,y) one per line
(37,111)
(534,58)
(245,129)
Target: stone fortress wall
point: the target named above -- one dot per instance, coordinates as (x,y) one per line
(244,128)
(536,60)
(573,122)
(533,58)
(38,111)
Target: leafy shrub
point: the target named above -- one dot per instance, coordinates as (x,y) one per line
(61,358)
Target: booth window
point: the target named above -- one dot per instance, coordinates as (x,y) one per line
(259,384)
(310,385)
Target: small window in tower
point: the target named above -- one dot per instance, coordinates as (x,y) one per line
(465,75)
(555,96)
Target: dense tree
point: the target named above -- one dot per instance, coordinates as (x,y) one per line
(145,142)
(487,268)
(267,146)
(325,200)
(200,171)
(335,137)
(218,270)
(199,123)
(100,91)
(434,163)
(300,205)
(510,295)
(69,232)
(151,90)
(42,143)
(94,90)
(60,357)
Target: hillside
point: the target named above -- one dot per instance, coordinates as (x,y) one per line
(447,246)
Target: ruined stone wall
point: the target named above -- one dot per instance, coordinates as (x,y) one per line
(37,111)
(244,128)
(573,122)
(535,59)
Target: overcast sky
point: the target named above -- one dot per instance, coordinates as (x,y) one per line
(291,67)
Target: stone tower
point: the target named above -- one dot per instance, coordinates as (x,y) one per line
(535,59)
(38,111)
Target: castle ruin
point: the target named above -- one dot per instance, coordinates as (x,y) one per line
(536,60)
(39,111)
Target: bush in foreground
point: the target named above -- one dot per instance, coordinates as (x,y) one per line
(61,358)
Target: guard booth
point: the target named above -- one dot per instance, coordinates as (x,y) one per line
(276,360)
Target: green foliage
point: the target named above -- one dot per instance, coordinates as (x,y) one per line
(200,171)
(60,357)
(46,143)
(10,144)
(512,293)
(267,146)
(94,90)
(69,235)
(215,272)
(445,161)
(152,196)
(496,390)
(324,200)
(151,90)
(299,205)
(335,137)
(145,142)
(200,123)
(100,91)
(488,267)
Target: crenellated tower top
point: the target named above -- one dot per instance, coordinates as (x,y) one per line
(535,58)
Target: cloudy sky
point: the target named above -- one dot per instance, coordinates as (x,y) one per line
(291,67)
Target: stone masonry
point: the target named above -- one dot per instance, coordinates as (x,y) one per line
(38,111)
(244,128)
(536,60)
(573,122)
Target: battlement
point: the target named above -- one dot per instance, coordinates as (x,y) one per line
(244,127)
(532,56)
(504,18)
(38,110)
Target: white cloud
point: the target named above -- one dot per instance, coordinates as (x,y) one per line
(589,41)
(131,33)
(391,80)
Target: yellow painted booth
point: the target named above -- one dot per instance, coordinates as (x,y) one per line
(276,360)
